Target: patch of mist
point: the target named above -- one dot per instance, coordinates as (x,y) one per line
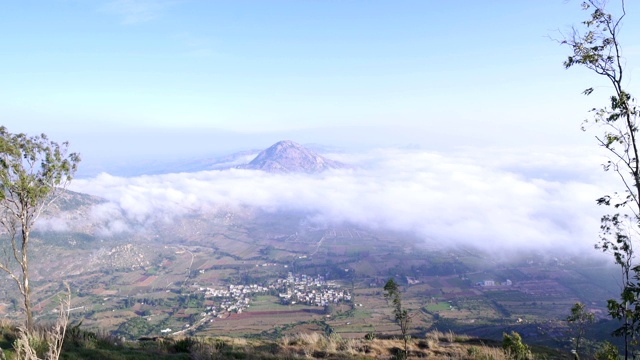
(497,199)
(52,224)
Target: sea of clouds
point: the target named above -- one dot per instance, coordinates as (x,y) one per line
(506,198)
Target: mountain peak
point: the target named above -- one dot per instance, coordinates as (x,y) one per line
(288,156)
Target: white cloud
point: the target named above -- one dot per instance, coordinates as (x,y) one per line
(52,224)
(491,199)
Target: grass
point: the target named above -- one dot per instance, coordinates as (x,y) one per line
(80,344)
(266,303)
(441,306)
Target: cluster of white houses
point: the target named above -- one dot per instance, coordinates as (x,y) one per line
(311,291)
(294,289)
(494,283)
(235,298)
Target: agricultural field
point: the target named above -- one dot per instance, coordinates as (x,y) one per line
(152,284)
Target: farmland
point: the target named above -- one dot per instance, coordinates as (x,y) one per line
(143,285)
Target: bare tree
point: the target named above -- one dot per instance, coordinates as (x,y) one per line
(33,172)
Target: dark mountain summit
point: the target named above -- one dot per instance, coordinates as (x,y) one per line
(288,156)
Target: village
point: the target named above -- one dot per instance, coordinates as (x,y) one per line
(311,291)
(294,289)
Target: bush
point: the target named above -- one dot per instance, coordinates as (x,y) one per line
(606,351)
(184,345)
(473,351)
(514,348)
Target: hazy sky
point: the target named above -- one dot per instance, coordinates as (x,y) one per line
(172,77)
(473,93)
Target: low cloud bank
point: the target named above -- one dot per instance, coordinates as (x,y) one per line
(492,198)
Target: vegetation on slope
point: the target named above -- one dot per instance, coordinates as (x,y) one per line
(81,344)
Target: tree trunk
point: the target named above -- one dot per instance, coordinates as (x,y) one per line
(26,288)
(27,307)
(406,351)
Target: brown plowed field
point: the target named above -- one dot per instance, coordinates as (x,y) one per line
(246,315)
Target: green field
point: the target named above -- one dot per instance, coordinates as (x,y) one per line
(441,306)
(267,303)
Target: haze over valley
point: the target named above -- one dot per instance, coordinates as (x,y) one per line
(454,198)
(139,247)
(354,171)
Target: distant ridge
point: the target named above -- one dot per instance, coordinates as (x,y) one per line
(289,157)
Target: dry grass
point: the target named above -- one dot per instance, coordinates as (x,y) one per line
(44,342)
(311,345)
(435,345)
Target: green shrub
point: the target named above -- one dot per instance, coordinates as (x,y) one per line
(473,351)
(184,345)
(606,351)
(514,348)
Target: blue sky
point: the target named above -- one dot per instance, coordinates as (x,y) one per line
(219,76)
(466,126)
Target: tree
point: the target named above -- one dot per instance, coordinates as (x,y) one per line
(606,351)
(579,320)
(401,316)
(33,172)
(514,347)
(596,47)
(329,309)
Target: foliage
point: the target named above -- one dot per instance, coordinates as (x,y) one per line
(402,317)
(578,321)
(33,171)
(514,347)
(310,345)
(134,327)
(597,47)
(606,351)
(184,345)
